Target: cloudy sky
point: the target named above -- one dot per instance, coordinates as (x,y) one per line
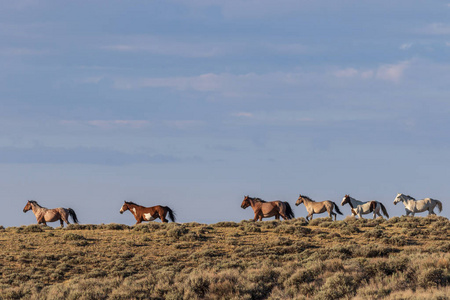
(194,104)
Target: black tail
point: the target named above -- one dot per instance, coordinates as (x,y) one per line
(337,208)
(171,214)
(73,215)
(384,210)
(289,211)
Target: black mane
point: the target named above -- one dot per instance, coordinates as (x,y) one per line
(35,203)
(257,199)
(132,203)
(303,196)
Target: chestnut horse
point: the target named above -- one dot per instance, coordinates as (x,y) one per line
(44,215)
(313,207)
(264,209)
(142,213)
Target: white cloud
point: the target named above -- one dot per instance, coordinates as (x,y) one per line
(391,72)
(437,29)
(349,72)
(387,72)
(184,124)
(243,114)
(406,46)
(109,124)
(204,82)
(168,46)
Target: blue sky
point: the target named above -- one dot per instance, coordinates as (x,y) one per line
(194,104)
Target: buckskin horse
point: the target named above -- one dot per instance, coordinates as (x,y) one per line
(365,207)
(44,215)
(264,209)
(413,206)
(313,207)
(142,213)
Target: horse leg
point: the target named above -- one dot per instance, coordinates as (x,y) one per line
(61,222)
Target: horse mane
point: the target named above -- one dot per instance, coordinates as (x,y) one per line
(303,196)
(132,203)
(408,196)
(256,199)
(35,203)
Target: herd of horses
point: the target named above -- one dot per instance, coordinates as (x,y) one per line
(261,208)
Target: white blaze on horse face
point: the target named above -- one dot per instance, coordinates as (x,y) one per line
(148,217)
(397,199)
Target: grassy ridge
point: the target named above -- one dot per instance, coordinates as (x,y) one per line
(401,258)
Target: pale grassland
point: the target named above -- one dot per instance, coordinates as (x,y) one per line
(401,258)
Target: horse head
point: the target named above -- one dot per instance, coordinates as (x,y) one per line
(246,202)
(299,200)
(124,207)
(398,198)
(345,200)
(28,206)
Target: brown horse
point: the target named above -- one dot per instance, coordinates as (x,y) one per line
(44,215)
(264,209)
(142,213)
(313,207)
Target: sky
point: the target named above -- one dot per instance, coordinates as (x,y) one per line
(195,104)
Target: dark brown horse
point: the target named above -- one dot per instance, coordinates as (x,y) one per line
(264,209)
(44,215)
(314,207)
(142,213)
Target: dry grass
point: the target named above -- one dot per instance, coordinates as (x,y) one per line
(401,258)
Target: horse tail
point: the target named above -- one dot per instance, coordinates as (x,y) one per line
(336,208)
(439,204)
(171,213)
(383,208)
(73,215)
(289,211)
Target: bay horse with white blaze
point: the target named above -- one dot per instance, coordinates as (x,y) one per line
(264,209)
(313,207)
(142,213)
(365,207)
(44,215)
(413,206)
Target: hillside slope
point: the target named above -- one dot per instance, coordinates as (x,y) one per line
(401,258)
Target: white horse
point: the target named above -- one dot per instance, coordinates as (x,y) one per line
(413,206)
(364,207)
(358,211)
